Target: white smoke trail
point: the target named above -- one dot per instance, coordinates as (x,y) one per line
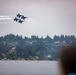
(5,18)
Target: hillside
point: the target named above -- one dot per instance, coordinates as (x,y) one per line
(14,47)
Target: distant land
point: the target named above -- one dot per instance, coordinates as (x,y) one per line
(15,47)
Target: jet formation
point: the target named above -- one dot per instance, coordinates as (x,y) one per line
(20,18)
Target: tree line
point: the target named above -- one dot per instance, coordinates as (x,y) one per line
(15,47)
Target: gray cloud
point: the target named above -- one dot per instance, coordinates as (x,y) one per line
(45,17)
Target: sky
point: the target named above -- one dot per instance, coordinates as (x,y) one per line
(45,17)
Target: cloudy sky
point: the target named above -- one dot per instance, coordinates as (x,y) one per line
(45,17)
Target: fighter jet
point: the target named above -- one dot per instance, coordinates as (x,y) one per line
(16,19)
(20,18)
(23,17)
(18,15)
(20,21)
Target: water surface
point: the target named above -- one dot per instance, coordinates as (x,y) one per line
(29,68)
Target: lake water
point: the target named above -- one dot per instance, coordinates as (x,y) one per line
(29,68)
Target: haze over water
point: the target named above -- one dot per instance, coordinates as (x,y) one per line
(29,68)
